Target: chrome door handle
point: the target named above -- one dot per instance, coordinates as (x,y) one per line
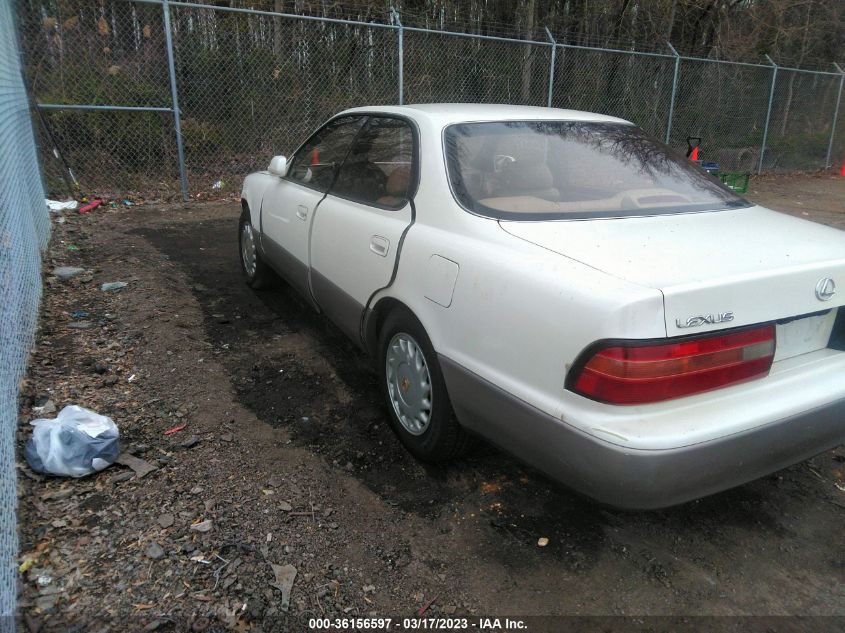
(379,245)
(302,212)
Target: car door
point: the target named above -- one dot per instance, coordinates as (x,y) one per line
(358,229)
(289,204)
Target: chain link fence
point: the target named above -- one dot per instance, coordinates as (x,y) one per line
(76,53)
(253,83)
(449,67)
(725,105)
(637,87)
(801,101)
(24,229)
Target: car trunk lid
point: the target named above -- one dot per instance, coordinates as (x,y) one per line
(716,270)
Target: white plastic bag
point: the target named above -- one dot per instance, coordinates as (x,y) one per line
(56,205)
(77,443)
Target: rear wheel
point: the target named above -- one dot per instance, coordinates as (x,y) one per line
(258,274)
(415,391)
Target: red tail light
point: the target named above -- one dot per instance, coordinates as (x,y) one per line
(636,373)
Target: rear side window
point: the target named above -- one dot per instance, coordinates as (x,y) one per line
(316,162)
(379,169)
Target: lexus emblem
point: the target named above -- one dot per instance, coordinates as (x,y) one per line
(825,289)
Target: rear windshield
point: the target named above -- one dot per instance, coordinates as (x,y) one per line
(542,170)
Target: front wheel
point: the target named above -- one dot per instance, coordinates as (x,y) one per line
(258,274)
(413,386)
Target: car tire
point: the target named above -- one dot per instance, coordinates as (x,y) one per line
(258,274)
(415,392)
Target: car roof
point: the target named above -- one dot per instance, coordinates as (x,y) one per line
(446,113)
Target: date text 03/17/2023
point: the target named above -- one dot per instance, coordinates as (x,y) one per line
(481,624)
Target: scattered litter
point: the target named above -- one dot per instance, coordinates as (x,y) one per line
(26,565)
(67,272)
(90,206)
(72,247)
(127,203)
(44,580)
(202,526)
(218,185)
(175,429)
(56,205)
(76,443)
(285,575)
(45,409)
(79,314)
(840,487)
(815,472)
(113,285)
(542,541)
(425,607)
(199,558)
(131,378)
(141,467)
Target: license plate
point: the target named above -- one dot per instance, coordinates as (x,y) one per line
(804,335)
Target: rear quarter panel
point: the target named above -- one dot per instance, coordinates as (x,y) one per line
(520,314)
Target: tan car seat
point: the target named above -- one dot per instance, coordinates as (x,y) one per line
(396,187)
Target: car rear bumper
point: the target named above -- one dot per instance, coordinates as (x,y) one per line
(638,478)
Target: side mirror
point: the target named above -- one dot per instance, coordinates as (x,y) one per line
(278,165)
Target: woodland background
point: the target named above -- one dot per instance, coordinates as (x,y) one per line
(251,85)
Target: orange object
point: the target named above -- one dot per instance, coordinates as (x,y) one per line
(694,154)
(315,157)
(842,171)
(90,206)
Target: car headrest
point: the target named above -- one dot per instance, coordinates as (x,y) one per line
(528,176)
(397,182)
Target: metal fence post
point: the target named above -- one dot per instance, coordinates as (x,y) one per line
(768,113)
(401,39)
(835,114)
(674,91)
(174,96)
(551,66)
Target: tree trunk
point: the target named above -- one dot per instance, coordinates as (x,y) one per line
(528,57)
(789,93)
(278,7)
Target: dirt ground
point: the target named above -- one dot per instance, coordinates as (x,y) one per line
(286,450)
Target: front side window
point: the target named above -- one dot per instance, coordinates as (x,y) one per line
(317,160)
(379,169)
(541,170)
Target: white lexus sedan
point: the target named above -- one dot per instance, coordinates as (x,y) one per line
(565,286)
